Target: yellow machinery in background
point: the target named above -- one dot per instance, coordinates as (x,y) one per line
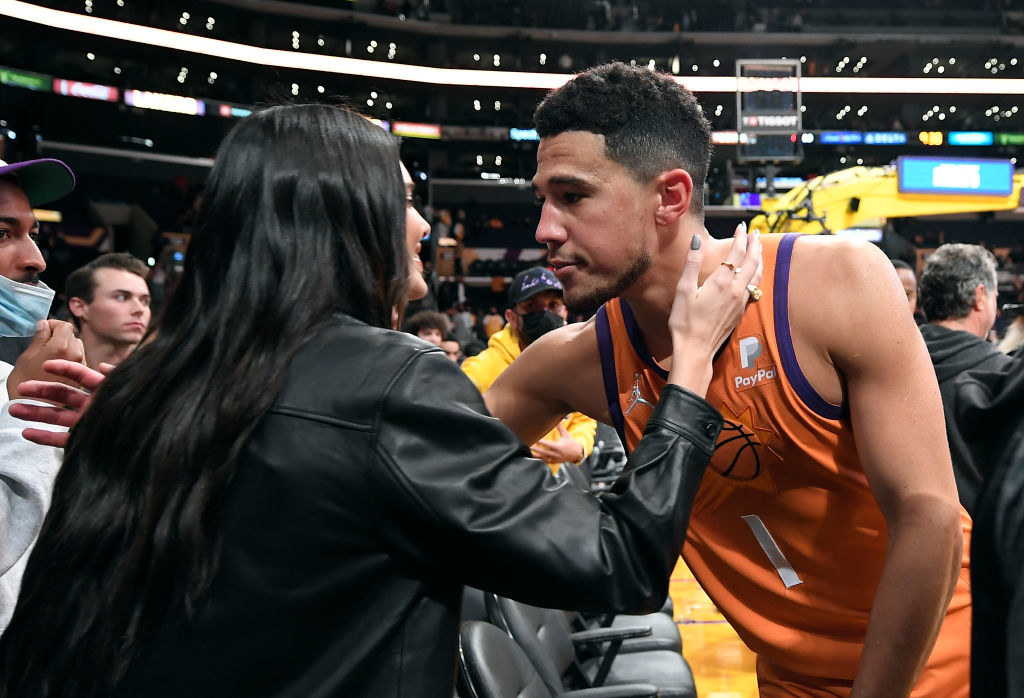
(864,197)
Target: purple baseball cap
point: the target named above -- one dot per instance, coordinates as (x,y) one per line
(42,181)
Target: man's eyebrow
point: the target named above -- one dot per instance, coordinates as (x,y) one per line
(11,220)
(565,181)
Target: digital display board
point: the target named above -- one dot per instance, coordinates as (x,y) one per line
(415,130)
(23,78)
(86,90)
(840,137)
(932,175)
(164,102)
(523,134)
(970,138)
(885,138)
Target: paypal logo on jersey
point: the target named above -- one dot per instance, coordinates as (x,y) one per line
(750,349)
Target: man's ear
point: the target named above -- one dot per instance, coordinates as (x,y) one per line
(510,315)
(980,296)
(675,188)
(77,306)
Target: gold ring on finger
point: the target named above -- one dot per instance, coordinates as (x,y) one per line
(754,291)
(735,269)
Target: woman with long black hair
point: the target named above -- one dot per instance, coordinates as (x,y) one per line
(277,495)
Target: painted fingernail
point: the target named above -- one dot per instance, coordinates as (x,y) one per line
(695,242)
(743,227)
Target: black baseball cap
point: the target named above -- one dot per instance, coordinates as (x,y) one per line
(42,180)
(529,282)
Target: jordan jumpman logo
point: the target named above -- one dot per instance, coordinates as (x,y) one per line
(636,397)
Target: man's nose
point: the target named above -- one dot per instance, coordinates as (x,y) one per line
(29,259)
(549,229)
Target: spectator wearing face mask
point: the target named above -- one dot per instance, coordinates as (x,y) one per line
(535,307)
(27,339)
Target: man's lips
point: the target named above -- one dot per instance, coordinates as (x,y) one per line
(559,265)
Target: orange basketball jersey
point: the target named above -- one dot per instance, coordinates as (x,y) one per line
(785,535)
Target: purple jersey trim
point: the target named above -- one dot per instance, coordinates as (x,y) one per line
(637,340)
(611,383)
(784,339)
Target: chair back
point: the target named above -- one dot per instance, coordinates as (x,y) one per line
(492,665)
(543,634)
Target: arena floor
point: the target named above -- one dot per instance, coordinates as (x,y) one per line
(722,666)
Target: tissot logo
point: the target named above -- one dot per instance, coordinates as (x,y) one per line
(750,349)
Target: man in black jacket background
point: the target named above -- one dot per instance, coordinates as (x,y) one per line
(957,292)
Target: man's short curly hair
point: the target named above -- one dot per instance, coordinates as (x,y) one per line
(651,123)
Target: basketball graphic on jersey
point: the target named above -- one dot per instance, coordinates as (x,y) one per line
(742,453)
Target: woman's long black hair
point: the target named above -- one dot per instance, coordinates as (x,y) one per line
(302,219)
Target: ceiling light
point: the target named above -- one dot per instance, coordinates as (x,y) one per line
(320,89)
(295,88)
(91,56)
(387,105)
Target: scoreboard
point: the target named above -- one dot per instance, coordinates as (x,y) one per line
(768,114)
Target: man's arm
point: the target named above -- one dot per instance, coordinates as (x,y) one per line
(897,418)
(557,374)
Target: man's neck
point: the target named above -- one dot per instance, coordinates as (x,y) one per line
(101,351)
(963,324)
(651,297)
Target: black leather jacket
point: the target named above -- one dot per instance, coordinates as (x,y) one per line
(990,413)
(373,490)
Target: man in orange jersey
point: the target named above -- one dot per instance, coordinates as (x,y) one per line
(827,528)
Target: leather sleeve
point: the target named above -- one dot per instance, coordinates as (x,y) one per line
(460,498)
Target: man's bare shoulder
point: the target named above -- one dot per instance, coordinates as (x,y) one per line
(566,345)
(840,290)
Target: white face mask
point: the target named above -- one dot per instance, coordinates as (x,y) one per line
(22,306)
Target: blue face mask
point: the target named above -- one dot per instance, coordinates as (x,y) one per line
(22,306)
